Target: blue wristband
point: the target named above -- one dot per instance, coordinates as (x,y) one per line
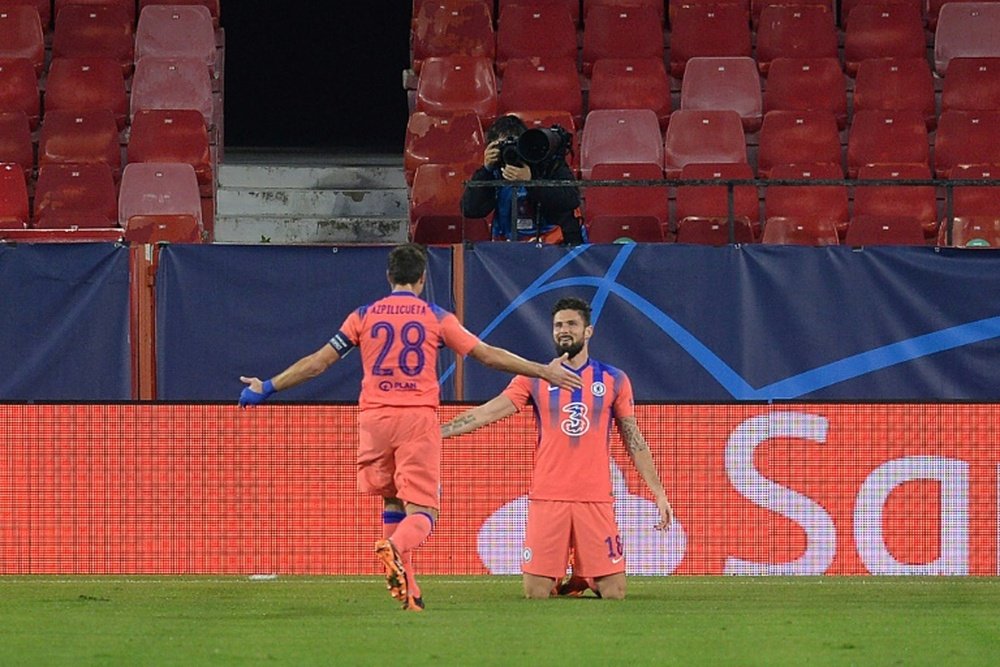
(250,397)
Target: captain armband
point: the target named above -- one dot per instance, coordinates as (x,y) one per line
(341,343)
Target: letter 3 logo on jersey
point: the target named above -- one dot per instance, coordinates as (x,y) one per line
(598,389)
(577,423)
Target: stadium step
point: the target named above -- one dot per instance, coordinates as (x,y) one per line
(306,198)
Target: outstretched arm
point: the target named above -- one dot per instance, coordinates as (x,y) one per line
(304,369)
(493,410)
(638,451)
(500,359)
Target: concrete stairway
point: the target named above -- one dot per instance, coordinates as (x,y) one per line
(308,198)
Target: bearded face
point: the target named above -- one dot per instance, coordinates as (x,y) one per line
(566,344)
(569,332)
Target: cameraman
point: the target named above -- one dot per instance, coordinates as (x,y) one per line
(523,213)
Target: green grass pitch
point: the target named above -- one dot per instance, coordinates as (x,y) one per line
(484,621)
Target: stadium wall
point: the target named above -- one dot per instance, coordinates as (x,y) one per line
(796,488)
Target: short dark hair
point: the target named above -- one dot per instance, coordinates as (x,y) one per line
(407,263)
(505,126)
(573,303)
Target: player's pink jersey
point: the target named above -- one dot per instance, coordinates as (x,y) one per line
(573,452)
(399,336)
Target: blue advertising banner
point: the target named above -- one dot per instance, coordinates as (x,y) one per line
(752,322)
(227,311)
(65,322)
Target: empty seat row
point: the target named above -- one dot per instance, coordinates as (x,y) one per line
(645,204)
(163,31)
(888,29)
(632,136)
(84,84)
(710,83)
(155,201)
(128,7)
(158,135)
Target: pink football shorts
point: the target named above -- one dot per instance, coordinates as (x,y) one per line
(399,454)
(556,526)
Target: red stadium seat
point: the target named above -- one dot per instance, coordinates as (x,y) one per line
(624,229)
(452,138)
(972,84)
(447,230)
(620,136)
(571,6)
(547,118)
(655,5)
(630,32)
(159,201)
(933,10)
(95,31)
(450,28)
(631,83)
(800,84)
(15,141)
(847,6)
(213,6)
(641,201)
(797,137)
(458,83)
(706,31)
(826,203)
(127,5)
(173,135)
(43,7)
(757,6)
(703,136)
(21,35)
(889,84)
(966,30)
(84,137)
(914,203)
(550,83)
(436,195)
(13,197)
(966,138)
(75,195)
(867,230)
(176,31)
(887,137)
(971,232)
(87,84)
(797,31)
(712,201)
(809,231)
(976,200)
(717,84)
(883,31)
(547,32)
(172,83)
(713,231)
(672,7)
(19,89)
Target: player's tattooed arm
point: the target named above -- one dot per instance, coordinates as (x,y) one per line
(642,459)
(632,436)
(455,425)
(487,413)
